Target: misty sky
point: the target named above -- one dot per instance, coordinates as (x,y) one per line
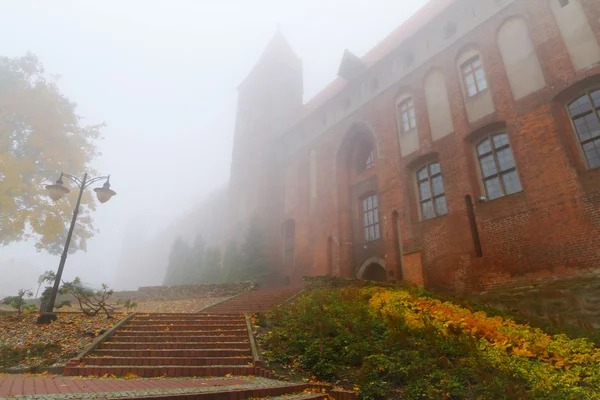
(163,76)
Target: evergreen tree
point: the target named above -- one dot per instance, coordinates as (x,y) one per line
(231,263)
(178,260)
(212,265)
(196,268)
(255,265)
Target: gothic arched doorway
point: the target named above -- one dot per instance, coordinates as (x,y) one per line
(374,272)
(373,269)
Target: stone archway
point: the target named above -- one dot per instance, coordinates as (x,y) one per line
(373,269)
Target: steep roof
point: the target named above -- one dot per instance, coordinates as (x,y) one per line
(279,50)
(351,66)
(421,18)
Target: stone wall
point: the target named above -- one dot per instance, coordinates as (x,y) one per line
(572,301)
(328,281)
(186,291)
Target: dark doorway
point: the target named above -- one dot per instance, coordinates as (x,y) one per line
(374,272)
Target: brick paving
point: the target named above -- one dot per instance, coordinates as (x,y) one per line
(15,385)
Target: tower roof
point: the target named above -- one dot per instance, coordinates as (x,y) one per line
(280,50)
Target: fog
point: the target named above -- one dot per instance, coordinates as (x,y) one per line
(163,76)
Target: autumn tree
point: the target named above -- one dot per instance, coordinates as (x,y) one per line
(40,136)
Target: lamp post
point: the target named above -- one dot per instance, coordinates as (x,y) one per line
(56,192)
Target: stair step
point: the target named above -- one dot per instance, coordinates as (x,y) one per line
(177,339)
(237,333)
(166,361)
(218,324)
(155,371)
(100,353)
(184,315)
(173,346)
(192,328)
(160,321)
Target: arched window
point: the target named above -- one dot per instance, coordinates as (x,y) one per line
(432,197)
(289,233)
(497,166)
(585,115)
(370,215)
(473,76)
(408,135)
(406,114)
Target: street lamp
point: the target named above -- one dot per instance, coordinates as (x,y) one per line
(56,192)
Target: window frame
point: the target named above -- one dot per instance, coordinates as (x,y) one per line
(472,72)
(595,110)
(432,197)
(411,121)
(499,173)
(364,212)
(289,239)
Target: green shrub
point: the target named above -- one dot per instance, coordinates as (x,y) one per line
(395,343)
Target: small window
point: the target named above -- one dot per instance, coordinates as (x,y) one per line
(473,76)
(347,103)
(370,214)
(289,233)
(585,115)
(374,84)
(409,58)
(432,197)
(498,168)
(406,113)
(449,30)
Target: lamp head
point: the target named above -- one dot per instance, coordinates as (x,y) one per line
(58,190)
(105,193)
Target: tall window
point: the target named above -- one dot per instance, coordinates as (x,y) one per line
(406,112)
(366,157)
(289,229)
(498,168)
(432,198)
(370,211)
(473,76)
(585,114)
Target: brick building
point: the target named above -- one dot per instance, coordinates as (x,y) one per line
(462,152)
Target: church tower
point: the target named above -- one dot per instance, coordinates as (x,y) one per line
(269,101)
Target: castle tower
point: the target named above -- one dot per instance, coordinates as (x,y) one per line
(269,101)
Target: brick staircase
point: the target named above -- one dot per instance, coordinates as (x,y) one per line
(152,345)
(211,343)
(254,301)
(214,342)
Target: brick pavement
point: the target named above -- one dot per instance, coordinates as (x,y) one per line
(17,385)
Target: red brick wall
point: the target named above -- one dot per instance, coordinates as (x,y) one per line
(550,228)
